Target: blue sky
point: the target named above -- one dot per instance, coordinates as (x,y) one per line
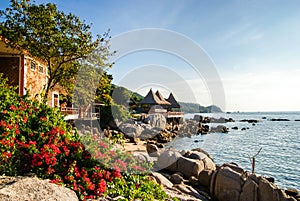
(254,44)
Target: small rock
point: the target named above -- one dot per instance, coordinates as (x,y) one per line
(152,150)
(291,192)
(176,178)
(193,181)
(162,179)
(270,179)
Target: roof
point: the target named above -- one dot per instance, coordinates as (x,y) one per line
(162,99)
(152,99)
(172,100)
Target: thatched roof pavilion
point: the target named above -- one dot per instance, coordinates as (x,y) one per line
(162,99)
(152,99)
(172,100)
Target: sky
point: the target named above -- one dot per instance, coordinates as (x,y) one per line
(243,55)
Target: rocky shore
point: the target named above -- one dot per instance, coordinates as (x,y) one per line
(184,174)
(187,175)
(192,174)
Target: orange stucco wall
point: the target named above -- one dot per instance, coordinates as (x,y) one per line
(35,78)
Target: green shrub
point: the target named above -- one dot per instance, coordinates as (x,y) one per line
(34,138)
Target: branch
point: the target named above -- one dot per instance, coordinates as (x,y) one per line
(257,152)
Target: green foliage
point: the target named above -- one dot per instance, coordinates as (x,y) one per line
(197,108)
(110,115)
(122,95)
(35,139)
(59,39)
(134,186)
(103,92)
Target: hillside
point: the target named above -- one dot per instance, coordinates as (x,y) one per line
(197,108)
(123,94)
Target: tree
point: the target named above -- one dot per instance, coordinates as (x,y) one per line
(60,39)
(92,82)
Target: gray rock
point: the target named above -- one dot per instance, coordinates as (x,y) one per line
(144,157)
(157,120)
(268,191)
(190,191)
(190,167)
(161,179)
(228,185)
(32,189)
(250,191)
(195,155)
(198,117)
(131,130)
(152,150)
(205,177)
(194,181)
(176,178)
(168,160)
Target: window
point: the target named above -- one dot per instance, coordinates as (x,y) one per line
(55,99)
(41,69)
(32,65)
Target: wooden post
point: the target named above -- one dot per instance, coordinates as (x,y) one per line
(252,159)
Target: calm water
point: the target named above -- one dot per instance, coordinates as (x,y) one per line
(280,142)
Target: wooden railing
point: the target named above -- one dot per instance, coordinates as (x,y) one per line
(69,110)
(175,114)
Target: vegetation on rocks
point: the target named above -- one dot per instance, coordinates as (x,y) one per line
(34,138)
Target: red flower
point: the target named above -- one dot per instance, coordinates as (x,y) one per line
(117,173)
(17,131)
(13,108)
(43,118)
(4,112)
(2,123)
(101,187)
(103,145)
(25,120)
(10,127)
(6,154)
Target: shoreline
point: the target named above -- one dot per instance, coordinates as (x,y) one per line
(177,181)
(141,146)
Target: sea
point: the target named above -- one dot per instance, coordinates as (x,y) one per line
(279,142)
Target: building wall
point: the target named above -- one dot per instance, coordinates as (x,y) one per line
(35,76)
(26,72)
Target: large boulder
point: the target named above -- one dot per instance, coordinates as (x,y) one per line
(250,191)
(204,177)
(189,163)
(131,130)
(161,179)
(190,167)
(268,191)
(168,160)
(202,156)
(32,189)
(157,120)
(227,185)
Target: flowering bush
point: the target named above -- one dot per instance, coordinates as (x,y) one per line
(34,138)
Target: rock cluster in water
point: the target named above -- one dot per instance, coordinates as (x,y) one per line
(155,127)
(194,173)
